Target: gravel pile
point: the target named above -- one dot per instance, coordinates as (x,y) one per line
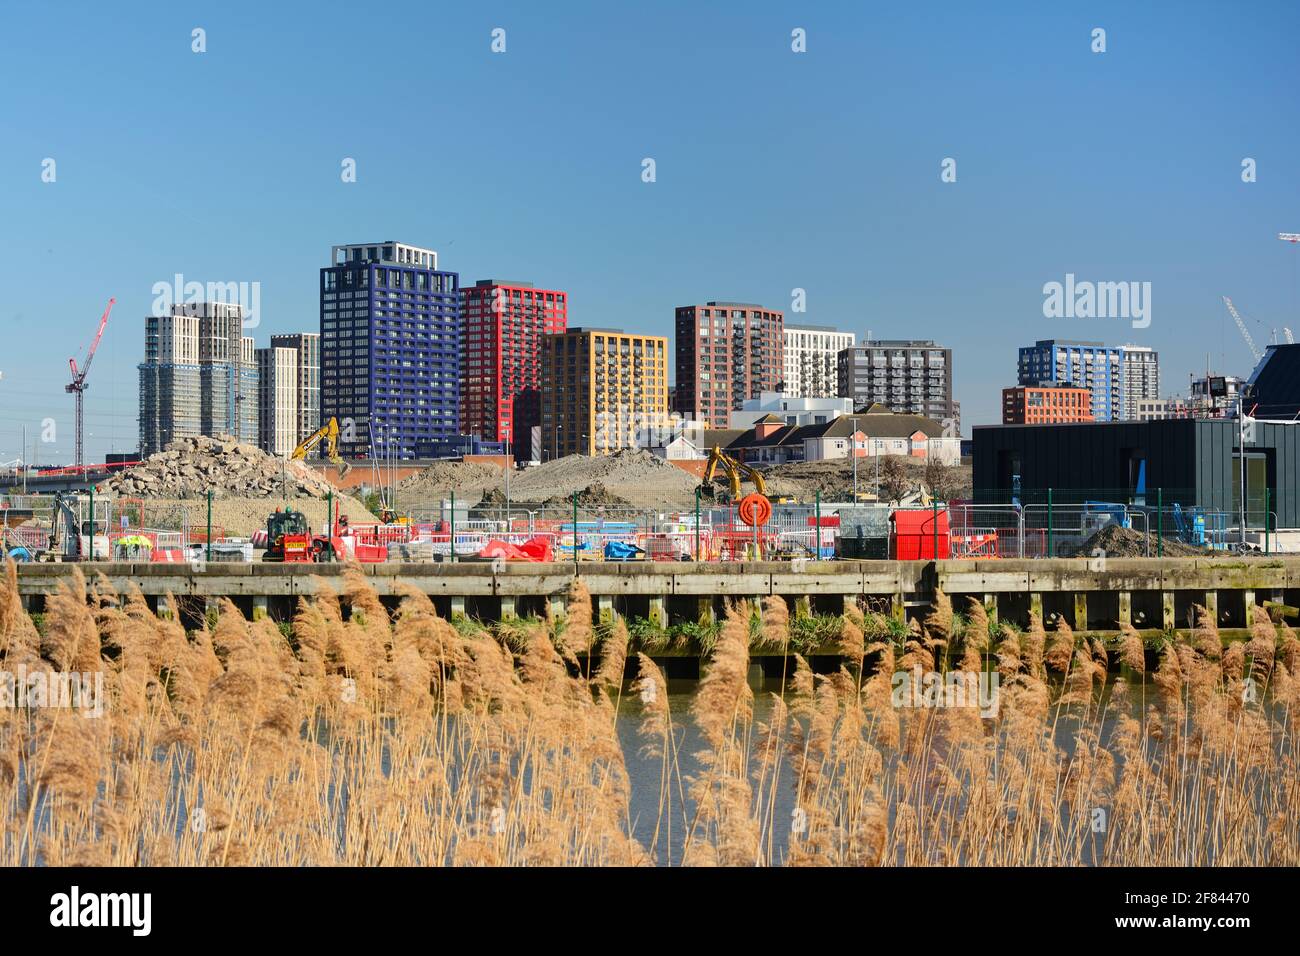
(469,480)
(625,478)
(1120,542)
(632,476)
(191,467)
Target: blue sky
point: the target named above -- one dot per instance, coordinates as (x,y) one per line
(775,170)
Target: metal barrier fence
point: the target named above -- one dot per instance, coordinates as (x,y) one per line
(1049,525)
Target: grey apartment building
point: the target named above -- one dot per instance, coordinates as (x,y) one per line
(199,376)
(907,376)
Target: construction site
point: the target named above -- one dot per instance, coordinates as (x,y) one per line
(217,499)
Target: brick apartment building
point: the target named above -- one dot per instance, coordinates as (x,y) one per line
(1038,404)
(726,352)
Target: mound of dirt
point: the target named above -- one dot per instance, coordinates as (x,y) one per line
(191,467)
(629,477)
(834,477)
(467,480)
(593,496)
(1116,541)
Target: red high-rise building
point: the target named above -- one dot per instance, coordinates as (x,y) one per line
(727,352)
(501,358)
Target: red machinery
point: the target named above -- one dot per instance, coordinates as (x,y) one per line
(289,539)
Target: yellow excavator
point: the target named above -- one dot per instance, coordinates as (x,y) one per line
(328,433)
(736,471)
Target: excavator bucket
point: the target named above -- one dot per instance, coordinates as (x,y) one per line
(344,468)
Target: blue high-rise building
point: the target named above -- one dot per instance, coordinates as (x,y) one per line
(1091,365)
(389,349)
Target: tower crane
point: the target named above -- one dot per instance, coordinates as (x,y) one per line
(1245,333)
(78,385)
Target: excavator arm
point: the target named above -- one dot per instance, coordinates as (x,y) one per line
(328,433)
(753,474)
(735,470)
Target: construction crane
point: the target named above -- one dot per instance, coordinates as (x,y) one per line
(78,385)
(1245,333)
(329,433)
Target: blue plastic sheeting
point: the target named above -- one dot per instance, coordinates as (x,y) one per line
(620,551)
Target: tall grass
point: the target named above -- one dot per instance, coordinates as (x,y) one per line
(364,737)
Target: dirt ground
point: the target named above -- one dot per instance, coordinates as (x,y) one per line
(637,479)
(627,478)
(240,517)
(834,479)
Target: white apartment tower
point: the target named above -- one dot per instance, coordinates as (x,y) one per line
(306,345)
(811,357)
(277,370)
(1141,378)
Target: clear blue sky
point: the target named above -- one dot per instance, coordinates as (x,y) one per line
(775,170)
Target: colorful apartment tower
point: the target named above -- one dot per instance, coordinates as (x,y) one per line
(1039,404)
(389,349)
(727,352)
(505,324)
(602,390)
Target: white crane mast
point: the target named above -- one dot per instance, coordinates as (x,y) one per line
(1245,334)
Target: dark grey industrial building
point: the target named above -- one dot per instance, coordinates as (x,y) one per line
(1191,462)
(1274,388)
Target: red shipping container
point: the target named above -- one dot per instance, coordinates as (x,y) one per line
(912,534)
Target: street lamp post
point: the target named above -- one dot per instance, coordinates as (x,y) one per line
(855,459)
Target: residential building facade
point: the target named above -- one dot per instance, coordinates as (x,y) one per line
(505,324)
(771,440)
(306,346)
(1158,409)
(791,408)
(199,376)
(602,390)
(1032,404)
(726,352)
(248,393)
(169,381)
(390,349)
(906,376)
(812,360)
(1119,377)
(1141,377)
(277,370)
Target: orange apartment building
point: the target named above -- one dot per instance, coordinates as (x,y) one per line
(1043,404)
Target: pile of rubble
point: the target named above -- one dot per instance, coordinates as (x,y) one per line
(191,467)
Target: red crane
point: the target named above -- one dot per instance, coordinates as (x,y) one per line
(78,385)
